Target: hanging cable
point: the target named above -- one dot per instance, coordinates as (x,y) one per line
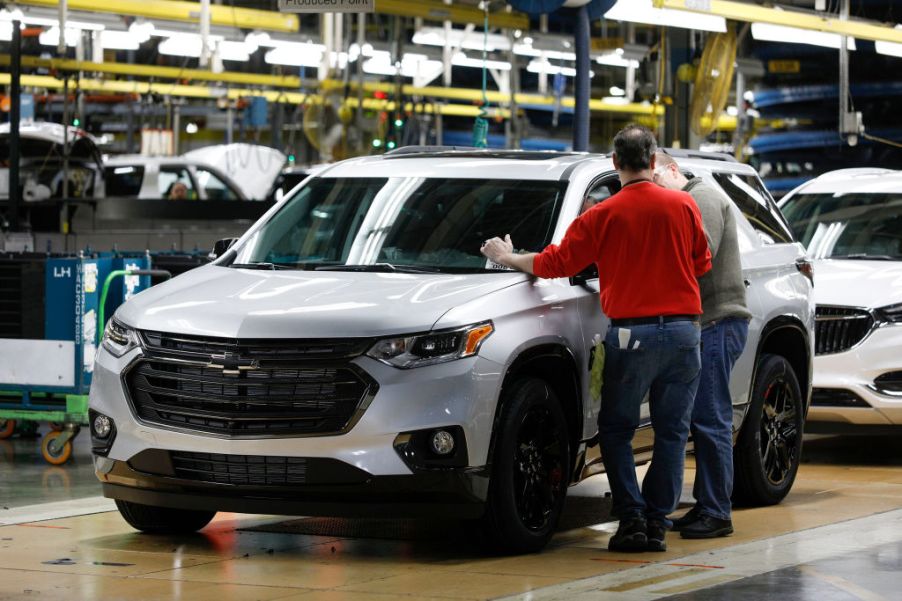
(481,126)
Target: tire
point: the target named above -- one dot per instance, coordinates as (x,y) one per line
(769,448)
(54,453)
(530,470)
(163,520)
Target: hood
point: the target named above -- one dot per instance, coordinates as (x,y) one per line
(253,168)
(855,283)
(237,303)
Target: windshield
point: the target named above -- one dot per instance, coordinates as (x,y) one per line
(853,226)
(433,223)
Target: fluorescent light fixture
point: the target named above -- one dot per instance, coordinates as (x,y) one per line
(543,67)
(6,31)
(765,32)
(141,30)
(888,48)
(183,44)
(617,91)
(642,11)
(51,37)
(257,38)
(119,40)
(411,65)
(616,59)
(235,51)
(461,38)
(462,60)
(191,128)
(554,55)
(296,54)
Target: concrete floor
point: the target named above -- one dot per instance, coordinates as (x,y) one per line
(838,536)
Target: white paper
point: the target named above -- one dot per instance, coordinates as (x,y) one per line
(623,336)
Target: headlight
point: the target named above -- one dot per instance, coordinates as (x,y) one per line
(435,347)
(119,339)
(891,314)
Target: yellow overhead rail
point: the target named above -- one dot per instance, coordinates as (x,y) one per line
(753,13)
(156,72)
(289,83)
(176,10)
(248,18)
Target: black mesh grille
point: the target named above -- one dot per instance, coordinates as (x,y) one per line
(836,397)
(840,328)
(249,388)
(239,469)
(890,382)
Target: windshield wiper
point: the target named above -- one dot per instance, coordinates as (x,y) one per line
(263,266)
(866,257)
(379,267)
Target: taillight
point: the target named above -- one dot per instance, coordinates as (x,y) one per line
(806,268)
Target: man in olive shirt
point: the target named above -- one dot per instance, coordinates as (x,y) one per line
(725,318)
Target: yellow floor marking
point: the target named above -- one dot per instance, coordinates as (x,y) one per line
(843,584)
(629,586)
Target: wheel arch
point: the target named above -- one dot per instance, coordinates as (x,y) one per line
(555,364)
(788,337)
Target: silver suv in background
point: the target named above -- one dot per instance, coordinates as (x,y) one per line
(354,354)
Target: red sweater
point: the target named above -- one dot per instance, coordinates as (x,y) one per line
(649,245)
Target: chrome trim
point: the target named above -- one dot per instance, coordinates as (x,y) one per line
(880,391)
(876,323)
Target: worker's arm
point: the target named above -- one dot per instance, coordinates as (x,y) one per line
(701,254)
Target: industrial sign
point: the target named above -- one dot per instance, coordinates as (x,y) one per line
(327,6)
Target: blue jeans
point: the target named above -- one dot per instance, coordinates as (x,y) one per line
(663,361)
(712,417)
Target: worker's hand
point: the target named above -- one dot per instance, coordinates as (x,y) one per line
(497,249)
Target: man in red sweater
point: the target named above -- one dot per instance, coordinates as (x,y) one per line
(650,248)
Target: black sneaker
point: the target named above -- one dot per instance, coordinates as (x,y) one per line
(630,536)
(707,527)
(656,533)
(689,517)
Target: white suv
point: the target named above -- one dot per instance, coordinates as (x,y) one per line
(354,354)
(851,222)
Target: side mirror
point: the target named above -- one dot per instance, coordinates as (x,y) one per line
(583,277)
(221,247)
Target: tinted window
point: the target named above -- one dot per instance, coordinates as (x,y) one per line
(755,202)
(124,181)
(429,222)
(856,226)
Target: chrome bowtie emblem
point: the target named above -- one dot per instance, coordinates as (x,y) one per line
(232,364)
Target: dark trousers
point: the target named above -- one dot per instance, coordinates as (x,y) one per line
(663,361)
(712,417)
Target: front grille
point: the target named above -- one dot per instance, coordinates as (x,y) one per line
(840,328)
(239,469)
(890,383)
(836,397)
(249,388)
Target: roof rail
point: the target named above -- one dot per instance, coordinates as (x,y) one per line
(426,150)
(854,172)
(682,153)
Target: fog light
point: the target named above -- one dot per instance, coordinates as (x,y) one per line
(102,426)
(442,442)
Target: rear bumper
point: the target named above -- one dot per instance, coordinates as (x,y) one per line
(459,492)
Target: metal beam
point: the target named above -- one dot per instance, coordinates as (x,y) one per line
(753,13)
(177,10)
(15,118)
(436,10)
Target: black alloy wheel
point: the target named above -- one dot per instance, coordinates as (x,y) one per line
(768,451)
(539,468)
(530,465)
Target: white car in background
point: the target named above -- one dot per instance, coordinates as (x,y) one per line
(851,222)
(155,178)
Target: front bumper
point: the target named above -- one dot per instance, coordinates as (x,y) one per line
(856,370)
(148,480)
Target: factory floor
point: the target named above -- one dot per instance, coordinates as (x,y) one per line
(838,536)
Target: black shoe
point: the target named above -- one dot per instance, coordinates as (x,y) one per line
(707,527)
(688,517)
(656,533)
(630,536)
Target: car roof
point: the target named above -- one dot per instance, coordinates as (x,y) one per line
(137,159)
(866,180)
(473,163)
